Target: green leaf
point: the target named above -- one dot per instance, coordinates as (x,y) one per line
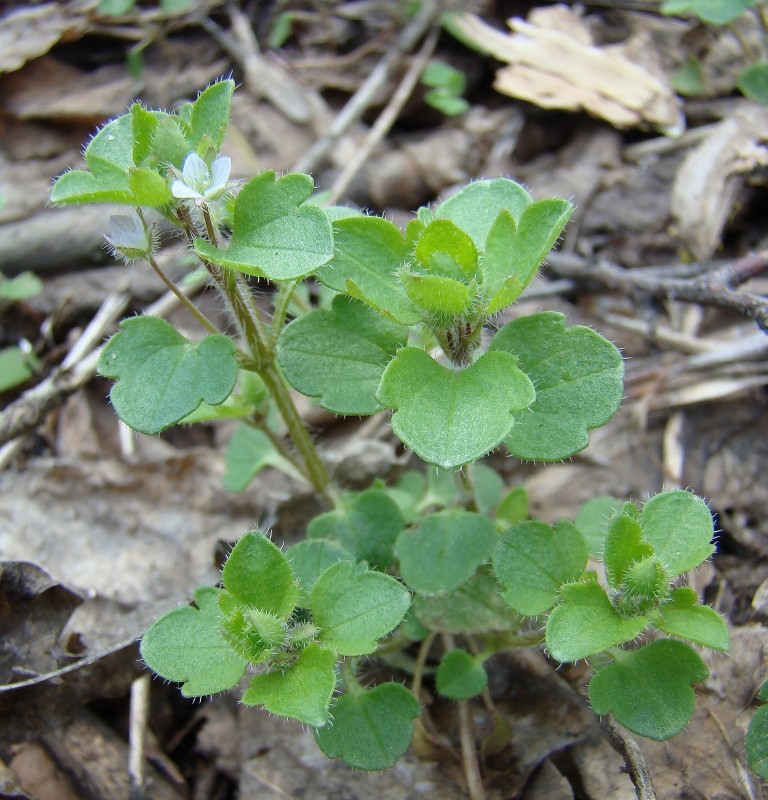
(210,115)
(162,376)
(444,551)
(302,692)
(148,188)
(442,297)
(514,250)
(450,417)
(649,690)
(370,730)
(169,144)
(475,607)
(489,487)
(445,249)
(354,607)
(713,12)
(586,623)
(143,128)
(446,102)
(21,287)
(682,615)
(753,82)
(688,79)
(309,559)
(275,234)
(186,645)
(579,380)
(678,525)
(460,676)
(339,355)
(78,186)
(593,521)
(368,252)
(249,451)
(17,366)
(623,547)
(757,742)
(440,75)
(368,527)
(513,508)
(111,146)
(532,560)
(258,574)
(474,209)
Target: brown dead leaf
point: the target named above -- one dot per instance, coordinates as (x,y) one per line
(712,177)
(30,30)
(554,63)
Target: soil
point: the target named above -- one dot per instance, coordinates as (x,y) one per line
(666,255)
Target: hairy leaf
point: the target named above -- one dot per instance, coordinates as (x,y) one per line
(649,690)
(162,376)
(682,615)
(460,675)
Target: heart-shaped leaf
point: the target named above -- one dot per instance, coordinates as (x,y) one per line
(444,551)
(162,376)
(275,233)
(339,355)
(460,675)
(532,560)
(678,525)
(649,690)
(579,380)
(187,645)
(451,417)
(514,251)
(302,692)
(367,526)
(368,252)
(475,208)
(682,615)
(258,574)
(309,559)
(370,730)
(354,607)
(586,623)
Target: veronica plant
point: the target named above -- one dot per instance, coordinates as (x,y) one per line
(405,325)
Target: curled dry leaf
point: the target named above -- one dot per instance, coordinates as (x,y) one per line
(712,177)
(553,63)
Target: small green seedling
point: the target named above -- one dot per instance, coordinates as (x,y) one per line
(446,87)
(753,80)
(18,363)
(445,555)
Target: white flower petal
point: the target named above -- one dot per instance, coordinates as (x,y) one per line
(196,173)
(180,190)
(220,170)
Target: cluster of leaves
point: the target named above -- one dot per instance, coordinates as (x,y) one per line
(753,80)
(402,324)
(18,363)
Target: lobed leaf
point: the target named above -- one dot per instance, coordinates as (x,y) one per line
(354,607)
(451,417)
(339,355)
(444,550)
(302,692)
(186,645)
(679,527)
(586,623)
(579,380)
(649,690)
(682,615)
(368,252)
(460,675)
(370,729)
(276,234)
(532,560)
(367,527)
(162,376)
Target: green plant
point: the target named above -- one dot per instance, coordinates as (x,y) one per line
(753,80)
(402,324)
(446,87)
(18,363)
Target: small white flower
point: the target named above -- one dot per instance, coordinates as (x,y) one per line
(200,183)
(129,236)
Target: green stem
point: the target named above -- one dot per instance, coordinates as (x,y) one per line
(316,470)
(421,663)
(282,301)
(352,684)
(467,478)
(182,298)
